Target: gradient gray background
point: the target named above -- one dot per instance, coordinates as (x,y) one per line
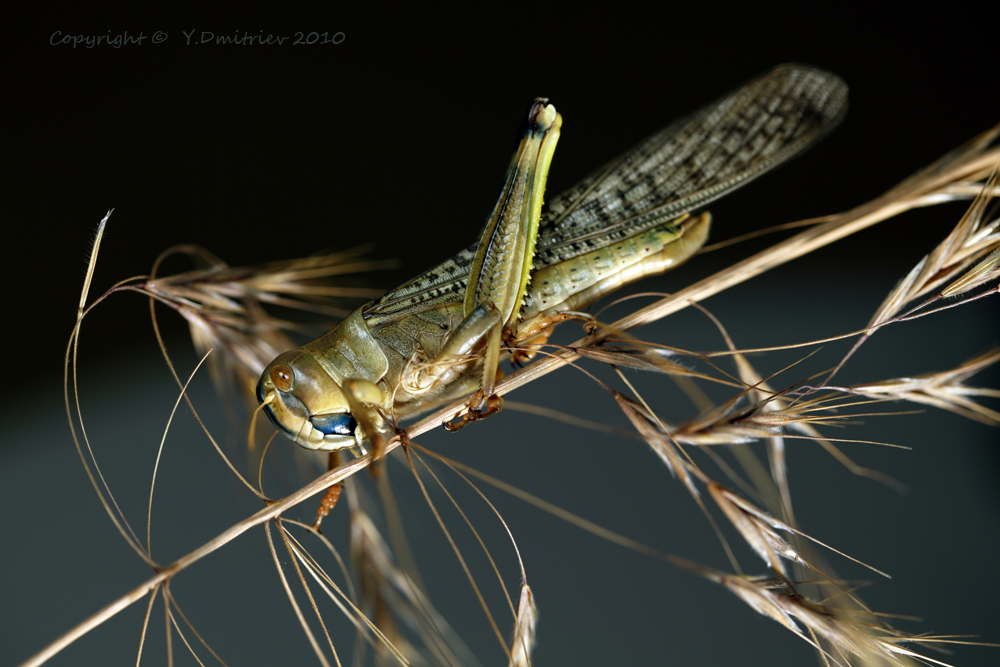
(266,153)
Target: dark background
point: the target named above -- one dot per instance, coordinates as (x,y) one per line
(400,135)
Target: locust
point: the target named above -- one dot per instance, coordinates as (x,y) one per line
(442,335)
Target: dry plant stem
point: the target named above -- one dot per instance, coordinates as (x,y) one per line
(374,559)
(176,607)
(966,243)
(295,557)
(172,620)
(116,514)
(325,582)
(145,626)
(354,614)
(808,222)
(472,528)
(159,455)
(892,202)
(554,510)
(461,559)
(291,599)
(169,636)
(264,515)
(398,541)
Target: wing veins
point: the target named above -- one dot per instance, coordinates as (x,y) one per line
(682,167)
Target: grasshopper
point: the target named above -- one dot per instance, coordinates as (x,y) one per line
(442,335)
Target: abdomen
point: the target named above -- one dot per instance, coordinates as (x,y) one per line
(576,283)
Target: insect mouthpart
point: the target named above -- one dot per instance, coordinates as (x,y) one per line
(337,424)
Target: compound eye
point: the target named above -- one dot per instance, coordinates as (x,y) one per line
(281,376)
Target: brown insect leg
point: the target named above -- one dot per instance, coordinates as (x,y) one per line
(332,494)
(481,407)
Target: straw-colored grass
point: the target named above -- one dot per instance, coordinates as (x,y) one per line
(384,599)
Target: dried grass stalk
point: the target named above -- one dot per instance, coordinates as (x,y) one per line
(853,638)
(943,390)
(225,309)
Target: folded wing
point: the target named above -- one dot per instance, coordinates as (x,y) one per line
(679,169)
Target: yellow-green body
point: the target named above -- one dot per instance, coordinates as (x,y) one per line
(438,337)
(392,354)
